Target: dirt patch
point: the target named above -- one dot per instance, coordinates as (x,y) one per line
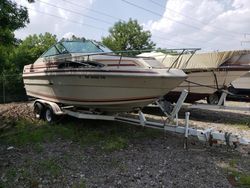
(12,112)
(145,159)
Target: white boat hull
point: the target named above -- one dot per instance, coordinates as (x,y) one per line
(203,84)
(103,91)
(207,82)
(207,72)
(243,82)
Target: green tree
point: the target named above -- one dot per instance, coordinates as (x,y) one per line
(128,36)
(12,17)
(73,38)
(31,48)
(26,52)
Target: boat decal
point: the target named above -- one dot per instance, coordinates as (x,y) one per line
(40,67)
(56,65)
(98,71)
(93,100)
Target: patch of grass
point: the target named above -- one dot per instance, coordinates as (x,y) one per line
(236,177)
(81,184)
(117,164)
(87,137)
(50,166)
(242,126)
(142,133)
(123,168)
(241,179)
(110,136)
(233,163)
(26,132)
(245,180)
(25,173)
(38,147)
(2,185)
(11,174)
(245,121)
(115,143)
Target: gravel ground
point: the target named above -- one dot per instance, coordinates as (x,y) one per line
(150,162)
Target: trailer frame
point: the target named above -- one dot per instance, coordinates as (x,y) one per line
(220,106)
(207,135)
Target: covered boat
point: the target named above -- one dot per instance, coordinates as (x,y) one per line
(241,85)
(208,73)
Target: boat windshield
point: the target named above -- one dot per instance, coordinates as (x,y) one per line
(84,47)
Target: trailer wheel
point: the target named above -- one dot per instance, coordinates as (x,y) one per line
(38,110)
(214,98)
(49,115)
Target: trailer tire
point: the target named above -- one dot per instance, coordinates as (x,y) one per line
(214,98)
(49,115)
(38,110)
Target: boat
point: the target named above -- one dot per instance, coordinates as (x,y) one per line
(208,73)
(241,86)
(86,74)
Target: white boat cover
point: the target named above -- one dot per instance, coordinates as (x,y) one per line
(203,60)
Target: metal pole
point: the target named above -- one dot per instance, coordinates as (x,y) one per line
(3,88)
(120,61)
(222,99)
(176,60)
(179,103)
(177,120)
(187,114)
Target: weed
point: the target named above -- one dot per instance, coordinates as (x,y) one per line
(115,143)
(34,183)
(234,176)
(242,179)
(2,185)
(81,184)
(123,167)
(117,164)
(25,173)
(245,180)
(50,166)
(233,163)
(243,124)
(11,174)
(38,148)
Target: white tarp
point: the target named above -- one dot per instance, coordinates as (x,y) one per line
(203,60)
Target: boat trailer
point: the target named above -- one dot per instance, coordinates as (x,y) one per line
(220,105)
(209,135)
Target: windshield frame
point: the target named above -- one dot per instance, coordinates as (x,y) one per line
(100,48)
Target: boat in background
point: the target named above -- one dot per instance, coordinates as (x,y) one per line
(241,86)
(88,75)
(208,73)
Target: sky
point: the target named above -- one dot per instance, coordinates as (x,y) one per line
(212,25)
